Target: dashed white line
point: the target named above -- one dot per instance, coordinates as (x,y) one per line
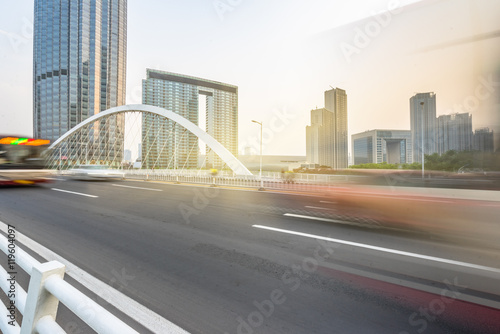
(390,196)
(120,185)
(316,218)
(382,249)
(319,208)
(75,193)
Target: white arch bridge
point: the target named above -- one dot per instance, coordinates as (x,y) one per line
(168,141)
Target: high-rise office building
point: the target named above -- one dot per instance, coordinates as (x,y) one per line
(423,124)
(336,102)
(326,137)
(377,146)
(168,145)
(454,132)
(320,138)
(483,140)
(79,67)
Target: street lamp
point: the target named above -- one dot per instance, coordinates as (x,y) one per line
(423,149)
(260,170)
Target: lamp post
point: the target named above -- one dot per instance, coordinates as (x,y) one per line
(260,170)
(422,132)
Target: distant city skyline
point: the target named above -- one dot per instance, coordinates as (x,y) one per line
(283,65)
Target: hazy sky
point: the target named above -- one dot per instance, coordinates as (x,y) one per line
(283,55)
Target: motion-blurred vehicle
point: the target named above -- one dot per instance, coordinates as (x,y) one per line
(95,172)
(21,161)
(432,212)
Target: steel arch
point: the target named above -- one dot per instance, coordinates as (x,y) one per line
(236,166)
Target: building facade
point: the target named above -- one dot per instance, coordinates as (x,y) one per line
(483,140)
(423,124)
(454,132)
(336,102)
(377,146)
(320,138)
(326,137)
(166,144)
(79,67)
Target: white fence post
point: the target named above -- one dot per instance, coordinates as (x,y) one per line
(40,302)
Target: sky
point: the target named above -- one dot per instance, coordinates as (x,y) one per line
(283,55)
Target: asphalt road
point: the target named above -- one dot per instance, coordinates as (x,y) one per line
(216,260)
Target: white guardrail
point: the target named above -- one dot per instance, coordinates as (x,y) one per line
(46,289)
(270,180)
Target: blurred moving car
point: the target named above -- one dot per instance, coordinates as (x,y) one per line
(22,161)
(96,172)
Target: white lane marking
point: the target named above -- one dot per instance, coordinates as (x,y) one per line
(327,202)
(389,196)
(316,218)
(382,249)
(144,316)
(422,200)
(75,193)
(319,208)
(120,185)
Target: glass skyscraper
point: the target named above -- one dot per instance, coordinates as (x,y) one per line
(167,145)
(423,125)
(336,102)
(79,67)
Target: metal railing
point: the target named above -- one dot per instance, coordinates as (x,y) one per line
(271,180)
(46,289)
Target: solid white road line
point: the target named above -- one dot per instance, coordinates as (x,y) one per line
(144,316)
(319,208)
(75,193)
(382,249)
(327,202)
(120,185)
